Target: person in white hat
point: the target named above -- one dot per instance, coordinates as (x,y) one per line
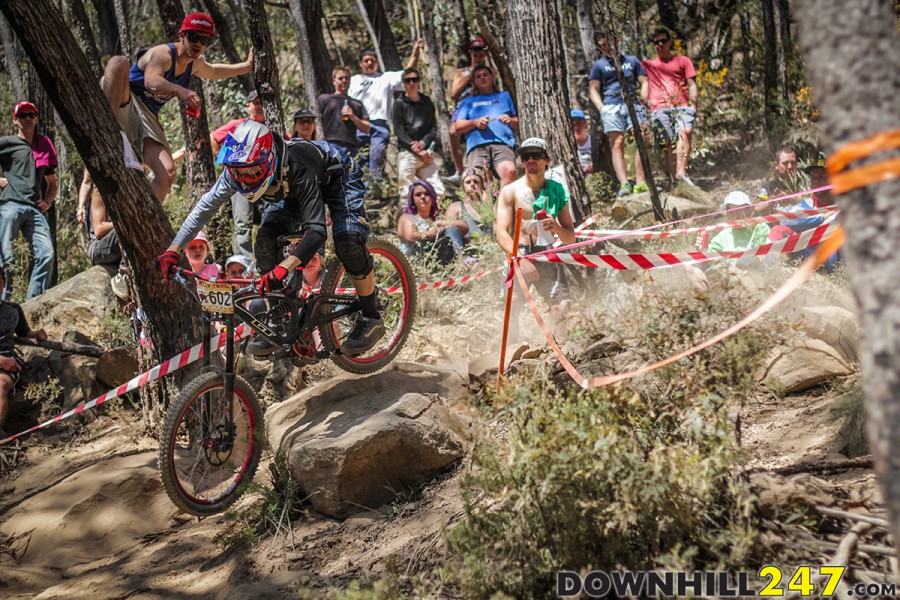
(737,239)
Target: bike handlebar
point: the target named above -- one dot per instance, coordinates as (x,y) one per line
(189,273)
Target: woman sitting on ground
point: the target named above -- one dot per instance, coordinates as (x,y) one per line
(473,207)
(420,231)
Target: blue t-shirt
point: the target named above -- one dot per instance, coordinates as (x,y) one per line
(604,71)
(488,105)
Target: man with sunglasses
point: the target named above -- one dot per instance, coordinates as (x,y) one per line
(29,187)
(138,92)
(672,95)
(415,126)
(545,205)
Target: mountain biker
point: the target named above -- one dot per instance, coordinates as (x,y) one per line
(297,178)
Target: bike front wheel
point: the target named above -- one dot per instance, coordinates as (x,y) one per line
(210,447)
(396,288)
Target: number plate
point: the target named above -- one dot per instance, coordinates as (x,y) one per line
(215,297)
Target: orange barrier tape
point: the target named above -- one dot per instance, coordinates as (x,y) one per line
(845,181)
(863,176)
(826,249)
(858,150)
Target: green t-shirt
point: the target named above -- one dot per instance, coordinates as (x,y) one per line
(739,239)
(552,198)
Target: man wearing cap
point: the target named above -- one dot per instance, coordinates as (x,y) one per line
(304,125)
(461,88)
(376,91)
(607,95)
(29,187)
(489,121)
(138,92)
(582,140)
(545,205)
(343,116)
(255,110)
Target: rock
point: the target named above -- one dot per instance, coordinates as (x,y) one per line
(483,365)
(117,366)
(602,348)
(835,326)
(356,443)
(85,299)
(76,375)
(779,496)
(686,207)
(802,365)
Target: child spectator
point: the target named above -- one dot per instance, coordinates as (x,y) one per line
(12,323)
(419,231)
(582,140)
(473,207)
(198,250)
(237,267)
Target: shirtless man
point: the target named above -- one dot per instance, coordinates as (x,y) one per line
(533,192)
(138,92)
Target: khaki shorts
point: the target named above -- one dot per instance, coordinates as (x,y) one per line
(490,155)
(138,122)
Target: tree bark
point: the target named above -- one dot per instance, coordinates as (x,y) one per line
(668,15)
(265,69)
(535,28)
(226,40)
(141,223)
(11,56)
(314,59)
(200,170)
(463,35)
(784,44)
(770,71)
(124,29)
(858,98)
(78,19)
(435,75)
(109,32)
(384,37)
(746,56)
(498,53)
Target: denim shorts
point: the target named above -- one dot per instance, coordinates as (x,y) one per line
(667,122)
(616,117)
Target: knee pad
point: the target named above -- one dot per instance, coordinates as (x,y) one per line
(266,252)
(354,255)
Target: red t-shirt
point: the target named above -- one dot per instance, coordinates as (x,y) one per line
(229,127)
(668,81)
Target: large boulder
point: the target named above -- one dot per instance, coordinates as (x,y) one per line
(803,364)
(355,443)
(835,326)
(81,302)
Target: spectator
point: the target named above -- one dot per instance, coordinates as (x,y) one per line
(421,233)
(12,323)
(415,126)
(461,88)
(375,90)
(197,251)
(737,239)
(608,96)
(474,206)
(818,178)
(489,120)
(29,188)
(158,74)
(787,179)
(237,267)
(343,117)
(582,140)
(103,242)
(672,95)
(533,192)
(255,110)
(304,125)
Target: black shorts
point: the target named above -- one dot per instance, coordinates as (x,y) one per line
(553,286)
(14,374)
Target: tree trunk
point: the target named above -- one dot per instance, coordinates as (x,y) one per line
(668,15)
(535,28)
(858,98)
(337,49)
(200,170)
(314,59)
(498,53)
(435,76)
(389,59)
(784,49)
(141,223)
(265,69)
(11,62)
(78,19)
(462,32)
(124,29)
(109,32)
(226,41)
(770,71)
(746,57)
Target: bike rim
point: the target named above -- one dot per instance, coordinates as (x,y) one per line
(208,462)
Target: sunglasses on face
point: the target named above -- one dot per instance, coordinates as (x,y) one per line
(660,42)
(305,121)
(196,38)
(412,80)
(27,116)
(533,156)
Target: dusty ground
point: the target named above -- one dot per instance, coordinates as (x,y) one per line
(89,519)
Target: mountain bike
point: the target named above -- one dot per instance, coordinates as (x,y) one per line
(213,434)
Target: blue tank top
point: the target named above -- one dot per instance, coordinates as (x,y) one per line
(154,101)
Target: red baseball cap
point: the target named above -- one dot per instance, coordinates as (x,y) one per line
(477,44)
(198,21)
(24,106)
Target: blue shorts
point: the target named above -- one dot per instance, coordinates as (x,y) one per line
(616,117)
(667,122)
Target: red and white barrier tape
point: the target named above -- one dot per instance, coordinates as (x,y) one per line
(640,262)
(170,366)
(774,218)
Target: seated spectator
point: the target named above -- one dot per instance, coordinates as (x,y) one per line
(738,239)
(304,125)
(582,140)
(103,242)
(419,231)
(314,271)
(787,180)
(415,126)
(489,121)
(237,267)
(12,323)
(473,208)
(197,251)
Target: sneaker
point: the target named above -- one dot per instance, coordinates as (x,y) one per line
(625,190)
(686,181)
(119,285)
(365,334)
(452,180)
(641,187)
(260,346)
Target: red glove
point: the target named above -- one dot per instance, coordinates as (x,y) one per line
(167,262)
(274,279)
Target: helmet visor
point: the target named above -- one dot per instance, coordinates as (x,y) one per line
(250,175)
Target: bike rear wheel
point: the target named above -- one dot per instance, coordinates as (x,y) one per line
(396,287)
(209,451)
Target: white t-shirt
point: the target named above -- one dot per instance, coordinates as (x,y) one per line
(376,92)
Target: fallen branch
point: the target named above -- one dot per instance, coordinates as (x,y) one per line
(861,462)
(843,514)
(82,349)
